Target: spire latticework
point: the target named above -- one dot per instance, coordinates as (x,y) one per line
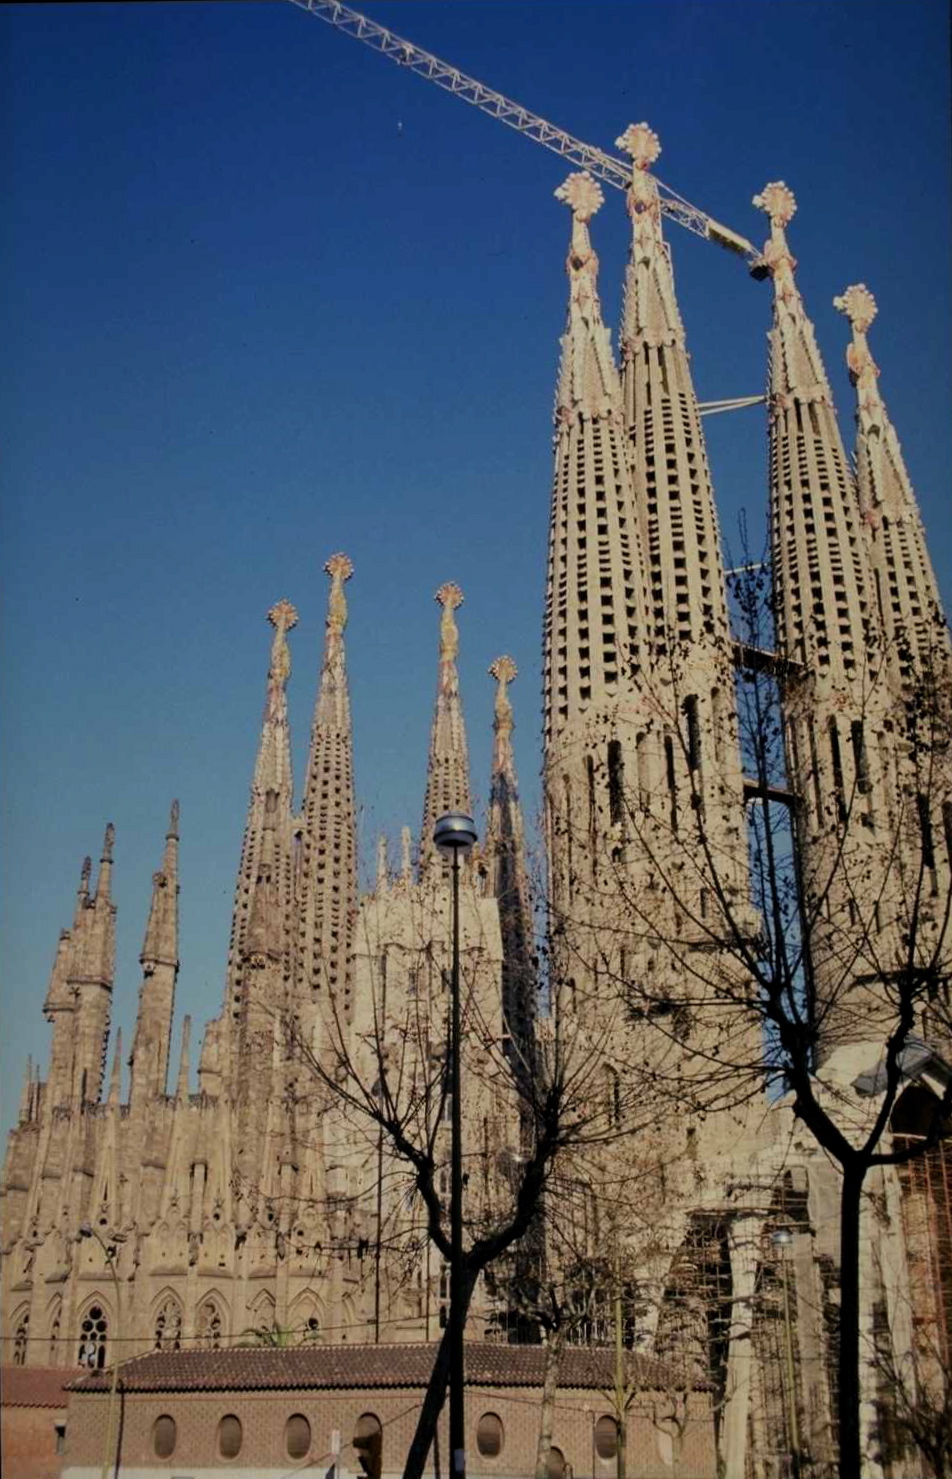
(907,595)
(159,960)
(327,886)
(447,777)
(840,735)
(508,880)
(265,880)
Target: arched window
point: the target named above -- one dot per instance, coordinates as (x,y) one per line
(54,1333)
(297,1436)
(164,1435)
(21,1338)
(489,1435)
(606,1437)
(555,1464)
(229,1436)
(208,1326)
(368,1444)
(168,1325)
(93,1333)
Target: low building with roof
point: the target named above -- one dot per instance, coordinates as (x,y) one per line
(267,1413)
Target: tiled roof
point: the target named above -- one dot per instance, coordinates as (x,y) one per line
(342,1366)
(35,1386)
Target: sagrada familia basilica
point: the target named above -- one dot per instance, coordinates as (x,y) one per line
(266,1201)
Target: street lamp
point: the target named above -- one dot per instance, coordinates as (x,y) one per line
(782,1239)
(454,835)
(86,1230)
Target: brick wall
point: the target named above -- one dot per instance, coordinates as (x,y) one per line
(263,1417)
(28,1442)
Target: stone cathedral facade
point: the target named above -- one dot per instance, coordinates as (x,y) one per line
(264,1202)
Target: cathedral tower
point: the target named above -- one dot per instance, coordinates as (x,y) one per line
(841,730)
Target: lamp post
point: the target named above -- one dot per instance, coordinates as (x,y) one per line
(455,834)
(86,1230)
(782,1238)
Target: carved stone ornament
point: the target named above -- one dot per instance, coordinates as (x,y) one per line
(283,616)
(503,670)
(641,142)
(858,304)
(449,594)
(582,193)
(777,201)
(339,567)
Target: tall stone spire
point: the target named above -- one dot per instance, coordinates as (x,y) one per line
(821,577)
(673,493)
(595,625)
(447,778)
(92,970)
(838,727)
(151,1044)
(508,881)
(690,765)
(327,885)
(907,595)
(271,793)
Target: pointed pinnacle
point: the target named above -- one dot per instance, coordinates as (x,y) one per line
(181,1088)
(116,1079)
(105,864)
(108,840)
(173,830)
(449,596)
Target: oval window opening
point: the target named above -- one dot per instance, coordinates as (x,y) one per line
(297,1435)
(368,1444)
(606,1437)
(229,1436)
(164,1434)
(489,1435)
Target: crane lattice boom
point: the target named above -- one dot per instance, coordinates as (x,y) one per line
(604,166)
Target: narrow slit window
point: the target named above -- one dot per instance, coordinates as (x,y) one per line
(616,781)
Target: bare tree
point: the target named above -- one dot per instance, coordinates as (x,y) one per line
(844,943)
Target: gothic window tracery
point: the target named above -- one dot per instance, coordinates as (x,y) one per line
(168,1325)
(209,1326)
(21,1338)
(93,1334)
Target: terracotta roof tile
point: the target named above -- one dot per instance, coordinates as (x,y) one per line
(35,1386)
(343,1366)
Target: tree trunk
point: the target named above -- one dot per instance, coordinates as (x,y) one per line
(435,1392)
(550,1385)
(848,1399)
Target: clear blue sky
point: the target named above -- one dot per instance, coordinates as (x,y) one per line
(266,296)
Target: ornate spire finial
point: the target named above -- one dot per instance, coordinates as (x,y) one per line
(406,862)
(173,820)
(778,202)
(641,142)
(340,568)
(859,305)
(108,840)
(582,194)
(449,596)
(282,617)
(503,670)
(383,871)
(84,874)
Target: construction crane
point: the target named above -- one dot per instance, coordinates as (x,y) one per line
(604,166)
